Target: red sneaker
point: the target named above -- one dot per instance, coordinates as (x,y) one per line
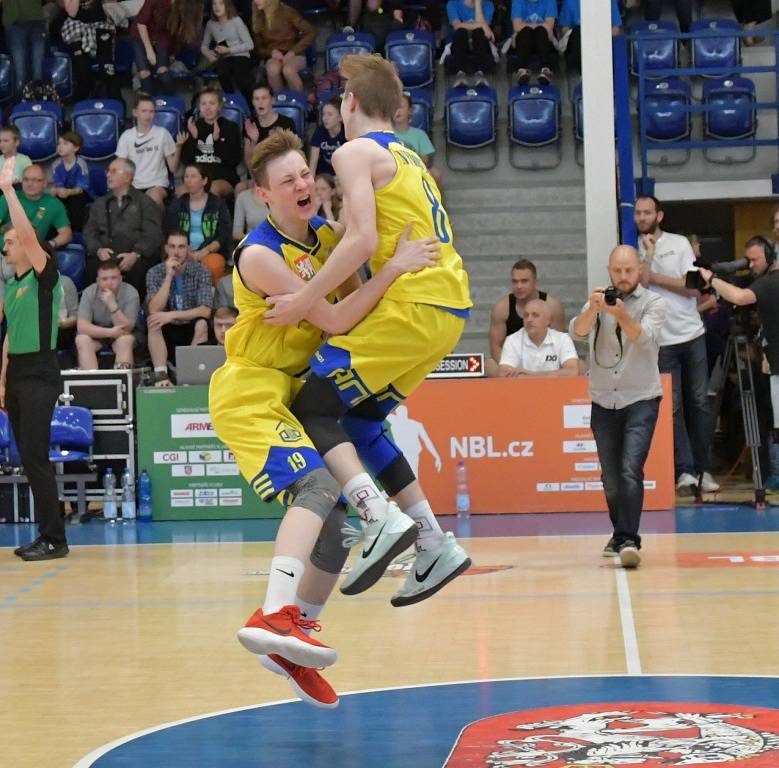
(307,683)
(281,633)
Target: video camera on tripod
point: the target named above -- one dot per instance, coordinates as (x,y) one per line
(694,281)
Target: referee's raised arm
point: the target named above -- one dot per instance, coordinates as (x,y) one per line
(27,235)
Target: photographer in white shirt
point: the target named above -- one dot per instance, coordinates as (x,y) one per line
(536,349)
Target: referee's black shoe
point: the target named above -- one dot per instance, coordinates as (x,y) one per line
(18,551)
(45,550)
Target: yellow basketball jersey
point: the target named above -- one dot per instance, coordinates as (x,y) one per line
(412,197)
(284,348)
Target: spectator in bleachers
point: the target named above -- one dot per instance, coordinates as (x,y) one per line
(70,179)
(206,221)
(224,295)
(47,213)
(10,138)
(750,13)
(508,313)
(125,225)
(533,39)
(180,294)
(281,37)
(151,149)
(153,46)
(66,333)
(90,37)
(327,138)
(228,44)
(379,18)
(25,38)
(224,320)
(249,213)
(665,260)
(570,23)
(215,142)
(536,349)
(653,9)
(107,315)
(415,138)
(472,51)
(329,201)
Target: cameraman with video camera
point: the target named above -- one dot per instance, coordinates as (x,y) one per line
(760,257)
(623,323)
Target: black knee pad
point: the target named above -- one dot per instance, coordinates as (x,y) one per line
(329,553)
(396,476)
(318,408)
(317,492)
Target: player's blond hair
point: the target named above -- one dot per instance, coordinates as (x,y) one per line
(278,144)
(375,83)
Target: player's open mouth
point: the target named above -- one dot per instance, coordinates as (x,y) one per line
(304,201)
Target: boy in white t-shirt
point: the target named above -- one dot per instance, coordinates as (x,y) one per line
(10,138)
(536,349)
(152,149)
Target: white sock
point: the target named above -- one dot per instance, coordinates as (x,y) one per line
(283,580)
(363,494)
(308,611)
(430,533)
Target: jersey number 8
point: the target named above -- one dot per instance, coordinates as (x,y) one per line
(440,223)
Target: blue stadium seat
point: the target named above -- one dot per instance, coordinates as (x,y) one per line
(235,108)
(660,52)
(39,123)
(294,105)
(422,108)
(6,77)
(72,434)
(124,56)
(470,119)
(715,52)
(5,439)
(71,261)
(58,70)
(97,179)
(189,56)
(339,45)
(734,117)
(534,114)
(99,122)
(577,104)
(169,114)
(662,125)
(411,51)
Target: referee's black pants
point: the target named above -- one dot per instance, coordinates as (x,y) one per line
(31,389)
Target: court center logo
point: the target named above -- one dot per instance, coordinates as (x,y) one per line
(649,734)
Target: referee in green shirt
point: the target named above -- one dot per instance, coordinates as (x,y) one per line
(30,380)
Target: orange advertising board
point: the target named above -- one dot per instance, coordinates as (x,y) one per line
(526,444)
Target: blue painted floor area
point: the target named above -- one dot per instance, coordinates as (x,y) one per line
(709,518)
(419,727)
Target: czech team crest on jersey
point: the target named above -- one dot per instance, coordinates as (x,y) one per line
(649,734)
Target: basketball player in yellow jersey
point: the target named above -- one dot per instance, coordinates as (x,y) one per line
(249,399)
(360,376)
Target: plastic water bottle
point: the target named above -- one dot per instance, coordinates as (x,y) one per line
(144,496)
(178,292)
(109,495)
(462,498)
(128,495)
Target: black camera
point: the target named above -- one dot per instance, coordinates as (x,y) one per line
(611,294)
(693,281)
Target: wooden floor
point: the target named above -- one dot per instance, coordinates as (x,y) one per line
(116,639)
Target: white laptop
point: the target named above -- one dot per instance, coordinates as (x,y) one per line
(194,365)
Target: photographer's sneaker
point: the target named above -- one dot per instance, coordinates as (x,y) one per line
(610,549)
(383,541)
(709,484)
(282,633)
(686,484)
(432,570)
(629,555)
(307,683)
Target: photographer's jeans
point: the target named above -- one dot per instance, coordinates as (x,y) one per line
(688,365)
(623,437)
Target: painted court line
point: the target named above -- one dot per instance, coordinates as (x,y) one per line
(632,657)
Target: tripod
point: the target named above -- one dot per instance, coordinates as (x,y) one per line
(737,354)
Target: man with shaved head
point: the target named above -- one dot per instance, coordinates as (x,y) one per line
(622,328)
(126,225)
(536,349)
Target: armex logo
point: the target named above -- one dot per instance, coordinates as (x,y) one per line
(191,425)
